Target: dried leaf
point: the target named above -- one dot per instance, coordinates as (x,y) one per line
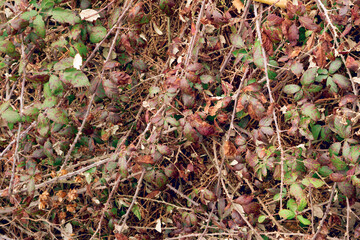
(229,149)
(279,3)
(238,5)
(308,23)
(89,15)
(320,57)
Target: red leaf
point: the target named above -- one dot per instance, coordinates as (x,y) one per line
(348,98)
(352,64)
(273,19)
(120,78)
(244,199)
(201,126)
(293,34)
(337,177)
(308,23)
(193,29)
(145,159)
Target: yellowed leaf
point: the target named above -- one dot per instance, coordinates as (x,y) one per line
(238,5)
(279,3)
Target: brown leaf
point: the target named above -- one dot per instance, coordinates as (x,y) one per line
(346,31)
(111,64)
(229,149)
(348,98)
(145,159)
(352,64)
(337,177)
(120,78)
(308,23)
(120,236)
(273,19)
(320,57)
(238,5)
(201,126)
(293,34)
(244,199)
(267,44)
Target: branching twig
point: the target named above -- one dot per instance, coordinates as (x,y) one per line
(326,212)
(236,98)
(230,53)
(182,195)
(272,102)
(16,158)
(117,25)
(101,160)
(334,33)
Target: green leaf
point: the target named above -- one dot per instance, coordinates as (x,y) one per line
(355,153)
(62,42)
(136,211)
(335,65)
(325,171)
(332,85)
(291,204)
(43,125)
(4,106)
(261,218)
(29,14)
(7,47)
(291,88)
(299,95)
(320,78)
(64,64)
(39,26)
(31,111)
(342,81)
(236,40)
(58,115)
(258,57)
(49,102)
(315,182)
(302,204)
(97,34)
(309,76)
(55,85)
(297,191)
(11,116)
(114,17)
(64,16)
(91,170)
(315,130)
(310,110)
(313,88)
(286,214)
(303,220)
(338,163)
(322,71)
(47,4)
(75,77)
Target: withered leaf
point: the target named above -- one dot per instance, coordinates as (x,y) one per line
(293,34)
(351,63)
(308,23)
(120,78)
(145,159)
(201,126)
(229,149)
(320,57)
